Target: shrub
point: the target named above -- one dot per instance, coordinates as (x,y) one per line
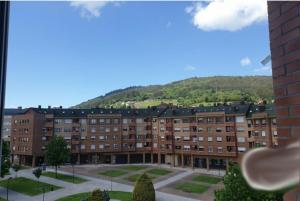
(96,195)
(144,189)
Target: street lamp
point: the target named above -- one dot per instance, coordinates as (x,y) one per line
(7,187)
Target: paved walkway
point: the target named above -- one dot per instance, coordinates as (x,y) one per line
(92,183)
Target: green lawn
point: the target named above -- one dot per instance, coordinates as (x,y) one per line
(192,188)
(28,186)
(119,195)
(113,173)
(158,171)
(2,199)
(207,179)
(133,167)
(63,177)
(135,177)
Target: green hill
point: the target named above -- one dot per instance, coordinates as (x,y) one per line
(189,92)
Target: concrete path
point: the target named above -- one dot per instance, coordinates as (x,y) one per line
(92,183)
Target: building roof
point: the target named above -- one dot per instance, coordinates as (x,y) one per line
(166,111)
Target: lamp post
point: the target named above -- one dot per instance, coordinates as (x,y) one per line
(73,171)
(7,187)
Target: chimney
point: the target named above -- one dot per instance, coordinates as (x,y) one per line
(39,106)
(60,107)
(49,107)
(20,107)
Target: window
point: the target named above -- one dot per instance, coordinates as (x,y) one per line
(241,139)
(107,130)
(139,120)
(93,147)
(177,138)
(274,122)
(200,129)
(176,121)
(116,121)
(240,129)
(185,121)
(93,138)
(186,147)
(200,148)
(275,133)
(116,129)
(82,121)
(56,121)
(210,149)
(154,145)
(139,145)
(116,146)
(201,139)
(200,120)
(186,129)
(240,119)
(82,137)
(220,149)
(186,138)
(107,121)
(219,139)
(177,129)
(68,121)
(101,121)
(263,133)
(82,146)
(162,121)
(93,130)
(93,121)
(218,130)
(208,129)
(101,146)
(209,139)
(162,129)
(241,149)
(125,121)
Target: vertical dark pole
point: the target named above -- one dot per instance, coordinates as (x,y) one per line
(4,15)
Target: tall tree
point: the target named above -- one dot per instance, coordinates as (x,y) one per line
(5,165)
(144,189)
(237,189)
(57,152)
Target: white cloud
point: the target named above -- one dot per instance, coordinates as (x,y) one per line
(245,61)
(190,68)
(89,9)
(228,15)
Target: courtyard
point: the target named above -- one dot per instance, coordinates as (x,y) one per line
(176,184)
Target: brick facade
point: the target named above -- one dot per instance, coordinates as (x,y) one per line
(284,27)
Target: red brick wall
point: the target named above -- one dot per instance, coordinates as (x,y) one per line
(284,27)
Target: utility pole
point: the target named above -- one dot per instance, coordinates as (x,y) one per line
(4,16)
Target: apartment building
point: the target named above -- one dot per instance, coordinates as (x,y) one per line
(203,137)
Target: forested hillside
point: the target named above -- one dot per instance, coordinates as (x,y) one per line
(189,92)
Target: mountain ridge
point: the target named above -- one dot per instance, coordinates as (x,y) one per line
(192,91)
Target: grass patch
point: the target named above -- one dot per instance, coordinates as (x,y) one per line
(133,167)
(64,177)
(159,171)
(119,195)
(2,199)
(207,179)
(113,173)
(192,188)
(135,177)
(28,186)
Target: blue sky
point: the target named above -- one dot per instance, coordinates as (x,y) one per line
(63,53)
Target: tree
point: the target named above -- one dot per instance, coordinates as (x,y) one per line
(144,189)
(57,152)
(237,189)
(96,195)
(16,168)
(5,165)
(37,173)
